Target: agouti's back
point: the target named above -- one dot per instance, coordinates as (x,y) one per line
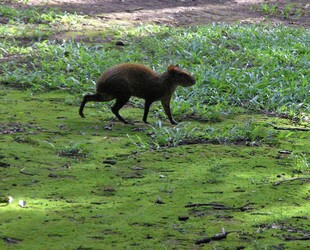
(135,79)
(125,80)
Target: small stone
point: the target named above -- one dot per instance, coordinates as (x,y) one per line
(109,189)
(10,199)
(109,161)
(108,127)
(159,201)
(183,218)
(120,43)
(136,168)
(286,152)
(4,165)
(22,203)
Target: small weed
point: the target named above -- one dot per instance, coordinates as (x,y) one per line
(161,136)
(269,9)
(289,10)
(300,164)
(75,150)
(139,142)
(171,136)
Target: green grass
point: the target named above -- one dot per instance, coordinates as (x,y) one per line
(96,183)
(257,67)
(288,11)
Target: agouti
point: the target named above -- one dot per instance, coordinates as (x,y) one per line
(125,80)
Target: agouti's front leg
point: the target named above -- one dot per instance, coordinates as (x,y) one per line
(147,106)
(166,105)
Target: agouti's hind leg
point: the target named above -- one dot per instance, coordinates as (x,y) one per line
(95,98)
(120,102)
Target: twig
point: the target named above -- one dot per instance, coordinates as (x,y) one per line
(22,171)
(219,236)
(220,206)
(290,128)
(214,205)
(214,192)
(135,9)
(297,238)
(293,179)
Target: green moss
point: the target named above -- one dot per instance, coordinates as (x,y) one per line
(108,195)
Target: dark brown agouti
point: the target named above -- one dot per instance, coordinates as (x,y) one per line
(125,80)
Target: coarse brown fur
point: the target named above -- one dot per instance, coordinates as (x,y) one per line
(125,80)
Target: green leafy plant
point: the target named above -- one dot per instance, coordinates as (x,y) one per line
(249,133)
(269,9)
(162,136)
(291,10)
(139,142)
(300,164)
(75,150)
(255,68)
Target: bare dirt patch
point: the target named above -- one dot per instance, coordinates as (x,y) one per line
(103,14)
(185,12)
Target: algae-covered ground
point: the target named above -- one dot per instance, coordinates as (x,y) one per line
(233,174)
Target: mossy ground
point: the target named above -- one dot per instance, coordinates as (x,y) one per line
(87,186)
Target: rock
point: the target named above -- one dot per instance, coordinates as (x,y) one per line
(136,168)
(159,201)
(51,175)
(120,43)
(109,161)
(183,218)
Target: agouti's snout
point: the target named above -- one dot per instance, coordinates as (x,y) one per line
(125,80)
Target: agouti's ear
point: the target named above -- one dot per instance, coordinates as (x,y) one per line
(171,68)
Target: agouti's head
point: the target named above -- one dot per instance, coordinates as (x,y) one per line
(181,77)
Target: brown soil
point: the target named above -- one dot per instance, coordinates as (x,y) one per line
(185,12)
(106,13)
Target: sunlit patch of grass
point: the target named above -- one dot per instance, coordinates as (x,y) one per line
(23,27)
(38,15)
